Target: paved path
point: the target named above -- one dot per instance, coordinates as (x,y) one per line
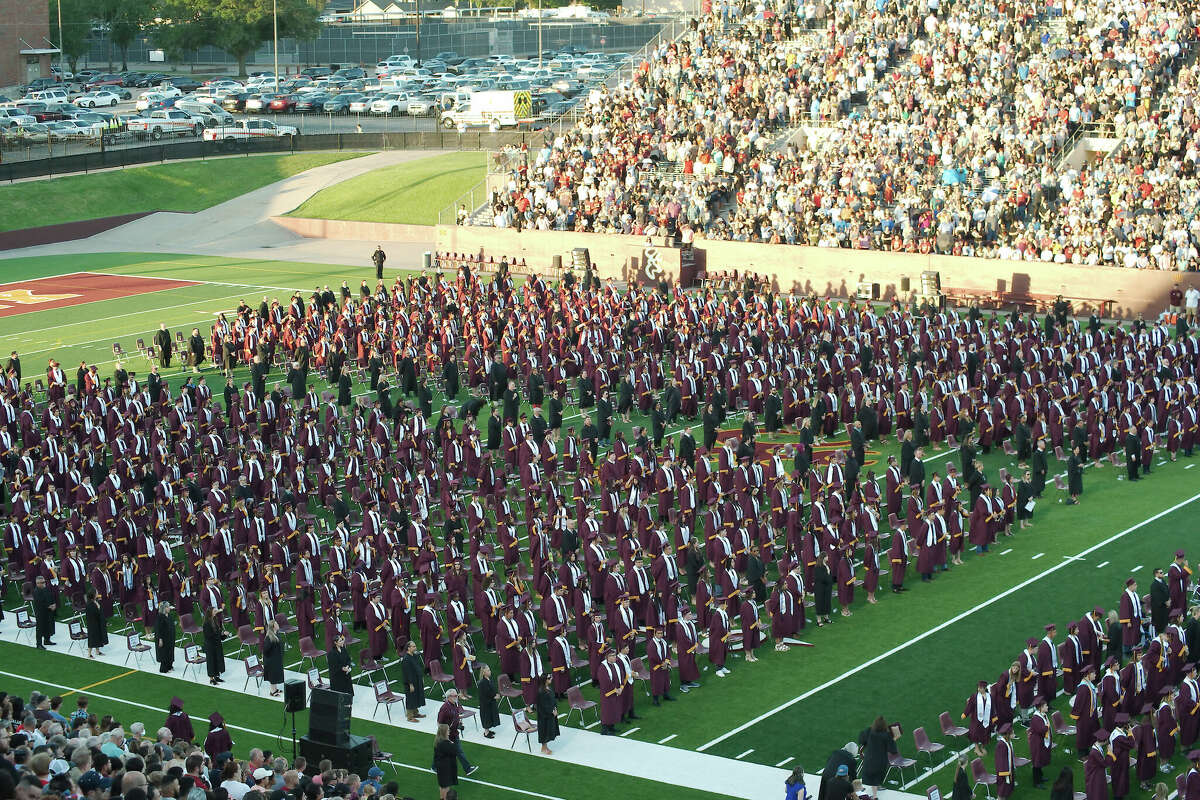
(240,228)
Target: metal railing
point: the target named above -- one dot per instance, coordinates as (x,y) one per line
(470,200)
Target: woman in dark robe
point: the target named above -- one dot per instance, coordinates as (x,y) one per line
(214,649)
(178,722)
(875,743)
(547,715)
(340,667)
(1075,476)
(273,658)
(822,589)
(218,740)
(97,630)
(489,702)
(1064,785)
(445,760)
(413,673)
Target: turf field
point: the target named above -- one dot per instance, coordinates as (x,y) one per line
(183,186)
(909,658)
(412,193)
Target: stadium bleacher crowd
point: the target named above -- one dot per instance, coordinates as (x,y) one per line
(927,127)
(50,749)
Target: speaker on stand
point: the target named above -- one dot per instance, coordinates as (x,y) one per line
(293,702)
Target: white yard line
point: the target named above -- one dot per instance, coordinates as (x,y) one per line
(1036,557)
(938,628)
(628,732)
(785,761)
(668,738)
(1102,565)
(1135,569)
(743,755)
(1006,552)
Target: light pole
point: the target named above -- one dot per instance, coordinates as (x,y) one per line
(418,3)
(275,39)
(62,64)
(539,34)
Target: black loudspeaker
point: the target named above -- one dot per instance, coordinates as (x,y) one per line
(354,756)
(556,263)
(904,284)
(427,260)
(329,717)
(293,696)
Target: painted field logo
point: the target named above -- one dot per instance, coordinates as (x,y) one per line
(26,297)
(765,446)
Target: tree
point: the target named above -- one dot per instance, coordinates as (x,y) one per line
(238,27)
(77,18)
(125,20)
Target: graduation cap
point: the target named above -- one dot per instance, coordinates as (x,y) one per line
(1039,700)
(1121,718)
(1179,554)
(1189,666)
(1194,755)
(1101,735)
(1031,642)
(177,702)
(1051,627)
(1130,581)
(1006,728)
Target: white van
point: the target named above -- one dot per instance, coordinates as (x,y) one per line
(213,116)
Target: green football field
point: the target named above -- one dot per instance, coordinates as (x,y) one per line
(909,658)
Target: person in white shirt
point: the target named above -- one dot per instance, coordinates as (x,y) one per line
(1191,300)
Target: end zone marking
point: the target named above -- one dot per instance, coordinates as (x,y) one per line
(77,288)
(938,628)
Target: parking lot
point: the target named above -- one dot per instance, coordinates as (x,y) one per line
(93,110)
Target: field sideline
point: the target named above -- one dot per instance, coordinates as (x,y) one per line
(909,658)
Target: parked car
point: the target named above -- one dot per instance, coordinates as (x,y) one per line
(184,85)
(100,81)
(316,72)
(258,102)
(151,80)
(248,129)
(161,123)
(420,105)
(13,117)
(236,101)
(32,132)
(310,102)
(391,103)
(351,73)
(282,104)
(156,97)
(39,84)
(100,97)
(340,103)
(363,104)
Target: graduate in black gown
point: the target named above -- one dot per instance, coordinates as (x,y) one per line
(273,657)
(822,589)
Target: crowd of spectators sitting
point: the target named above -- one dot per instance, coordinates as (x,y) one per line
(939,126)
(48,751)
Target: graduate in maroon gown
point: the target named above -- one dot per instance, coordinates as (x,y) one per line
(1005,762)
(1120,745)
(1145,738)
(1083,711)
(687,643)
(1165,726)
(1191,781)
(178,722)
(658,659)
(1095,764)
(979,716)
(1040,738)
(610,683)
(1187,707)
(718,637)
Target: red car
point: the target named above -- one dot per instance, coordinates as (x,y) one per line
(285,103)
(104,80)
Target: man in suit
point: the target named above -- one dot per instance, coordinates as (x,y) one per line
(1160,598)
(916,470)
(162,343)
(377,258)
(45,603)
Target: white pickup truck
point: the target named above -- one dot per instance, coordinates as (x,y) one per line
(248,129)
(166,121)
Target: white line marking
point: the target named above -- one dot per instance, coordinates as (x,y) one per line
(743,755)
(931,770)
(1035,558)
(253,732)
(631,730)
(1073,558)
(953,620)
(786,760)
(1135,569)
(1189,466)
(1006,552)
(1102,565)
(667,739)
(594,724)
(133,313)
